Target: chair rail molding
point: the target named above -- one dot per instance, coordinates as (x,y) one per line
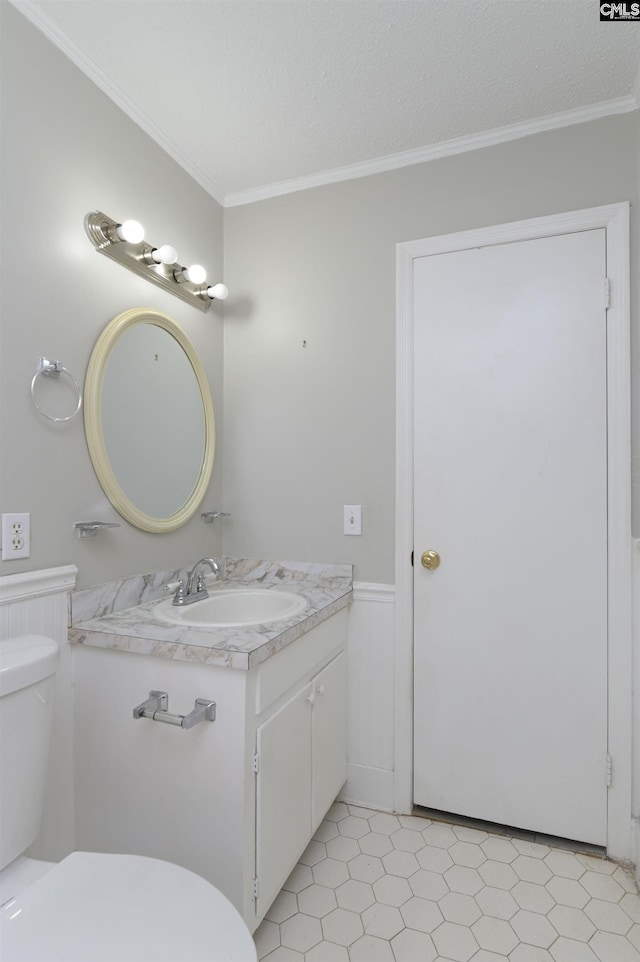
(32,584)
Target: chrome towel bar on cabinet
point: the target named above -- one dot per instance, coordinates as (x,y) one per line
(156,705)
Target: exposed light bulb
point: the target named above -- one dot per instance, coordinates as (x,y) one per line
(165,255)
(219,291)
(196,274)
(131,231)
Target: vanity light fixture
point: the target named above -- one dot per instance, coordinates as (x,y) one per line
(124,242)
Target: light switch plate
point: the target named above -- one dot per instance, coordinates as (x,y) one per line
(353,519)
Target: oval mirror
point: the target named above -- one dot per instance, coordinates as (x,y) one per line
(149,420)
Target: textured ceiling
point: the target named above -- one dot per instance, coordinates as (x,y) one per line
(248,93)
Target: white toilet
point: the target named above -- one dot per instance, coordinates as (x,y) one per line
(89,907)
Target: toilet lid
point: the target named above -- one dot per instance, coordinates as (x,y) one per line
(122,908)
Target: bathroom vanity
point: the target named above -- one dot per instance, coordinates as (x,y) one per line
(238,799)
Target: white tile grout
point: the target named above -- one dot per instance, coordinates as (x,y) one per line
(373,886)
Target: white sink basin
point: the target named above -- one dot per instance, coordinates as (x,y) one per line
(234,608)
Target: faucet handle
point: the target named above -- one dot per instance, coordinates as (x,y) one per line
(180,593)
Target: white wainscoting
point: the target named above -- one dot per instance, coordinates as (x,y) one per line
(37,602)
(371,700)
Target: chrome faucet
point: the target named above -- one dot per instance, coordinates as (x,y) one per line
(194,590)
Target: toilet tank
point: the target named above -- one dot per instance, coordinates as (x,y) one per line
(27,668)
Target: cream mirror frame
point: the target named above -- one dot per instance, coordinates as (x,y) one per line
(108,347)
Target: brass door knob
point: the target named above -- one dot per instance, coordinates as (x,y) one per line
(430,560)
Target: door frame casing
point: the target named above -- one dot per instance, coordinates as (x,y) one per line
(615,219)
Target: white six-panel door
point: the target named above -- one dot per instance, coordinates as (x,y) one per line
(510,488)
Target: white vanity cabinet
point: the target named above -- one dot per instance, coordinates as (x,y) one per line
(236,800)
(300,765)
(328,737)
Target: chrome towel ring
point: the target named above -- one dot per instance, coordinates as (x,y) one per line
(54,369)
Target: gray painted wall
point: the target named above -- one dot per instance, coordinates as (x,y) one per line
(308,429)
(67,149)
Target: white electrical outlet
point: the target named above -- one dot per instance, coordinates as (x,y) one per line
(16,536)
(353,519)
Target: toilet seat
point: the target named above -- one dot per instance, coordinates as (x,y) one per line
(122,908)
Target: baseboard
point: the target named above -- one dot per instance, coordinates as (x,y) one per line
(369,787)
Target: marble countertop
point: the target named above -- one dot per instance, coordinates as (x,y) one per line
(98,621)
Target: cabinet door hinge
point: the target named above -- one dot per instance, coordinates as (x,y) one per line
(607,293)
(255,887)
(256,763)
(609,770)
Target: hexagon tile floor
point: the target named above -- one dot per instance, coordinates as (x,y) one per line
(373,887)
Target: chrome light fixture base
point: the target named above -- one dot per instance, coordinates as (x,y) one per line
(137,257)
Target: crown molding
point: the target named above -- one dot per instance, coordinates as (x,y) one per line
(447,148)
(94,73)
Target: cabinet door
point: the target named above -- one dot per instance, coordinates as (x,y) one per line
(283,794)
(329,736)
